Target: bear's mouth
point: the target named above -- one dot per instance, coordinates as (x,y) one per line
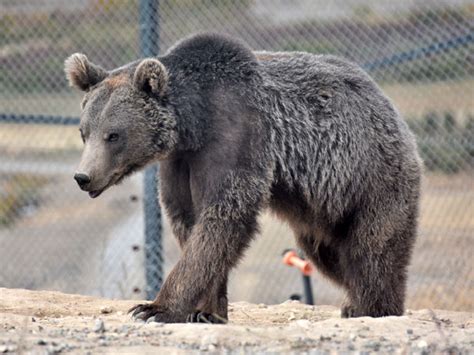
(95,193)
(116,179)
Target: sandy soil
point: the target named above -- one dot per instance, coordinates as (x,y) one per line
(52,322)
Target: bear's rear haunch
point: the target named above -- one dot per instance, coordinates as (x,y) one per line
(309,136)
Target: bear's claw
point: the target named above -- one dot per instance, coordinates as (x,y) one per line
(146,311)
(202,317)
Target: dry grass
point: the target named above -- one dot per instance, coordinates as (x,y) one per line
(414,100)
(17,138)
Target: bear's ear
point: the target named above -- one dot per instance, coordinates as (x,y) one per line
(81,73)
(151,76)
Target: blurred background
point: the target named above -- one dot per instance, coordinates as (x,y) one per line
(53,236)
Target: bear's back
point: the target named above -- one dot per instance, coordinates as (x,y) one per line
(306,72)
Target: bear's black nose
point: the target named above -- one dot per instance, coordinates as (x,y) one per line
(82,179)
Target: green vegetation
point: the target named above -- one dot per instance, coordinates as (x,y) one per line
(16,192)
(445,145)
(34,44)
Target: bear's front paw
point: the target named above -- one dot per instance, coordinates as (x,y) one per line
(155,313)
(350,311)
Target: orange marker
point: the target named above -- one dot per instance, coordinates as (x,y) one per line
(292,259)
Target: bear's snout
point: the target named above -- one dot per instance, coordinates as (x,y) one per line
(82,179)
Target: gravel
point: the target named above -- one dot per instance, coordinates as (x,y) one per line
(48,322)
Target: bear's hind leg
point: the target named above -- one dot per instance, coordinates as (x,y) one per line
(376,257)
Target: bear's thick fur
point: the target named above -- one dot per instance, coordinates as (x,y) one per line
(309,136)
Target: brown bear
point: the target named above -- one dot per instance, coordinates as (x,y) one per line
(310,137)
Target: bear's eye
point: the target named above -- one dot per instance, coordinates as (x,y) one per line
(112,137)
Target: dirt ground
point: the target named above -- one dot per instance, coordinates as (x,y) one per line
(52,322)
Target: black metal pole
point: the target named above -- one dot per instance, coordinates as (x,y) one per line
(308,291)
(149,47)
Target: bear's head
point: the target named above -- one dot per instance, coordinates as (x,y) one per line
(125,123)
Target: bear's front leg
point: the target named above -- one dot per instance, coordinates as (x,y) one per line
(224,229)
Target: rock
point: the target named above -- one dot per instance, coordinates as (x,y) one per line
(375,345)
(154,324)
(352,336)
(41,342)
(291,302)
(106,309)
(124,328)
(99,326)
(303,323)
(409,331)
(7,348)
(422,344)
(209,343)
(292,316)
(261,305)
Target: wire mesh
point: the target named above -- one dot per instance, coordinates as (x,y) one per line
(53,237)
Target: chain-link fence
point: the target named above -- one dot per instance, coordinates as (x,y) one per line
(52,236)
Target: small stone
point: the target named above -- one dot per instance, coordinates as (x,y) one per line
(33,319)
(124,328)
(262,305)
(7,348)
(422,344)
(211,347)
(120,313)
(208,343)
(106,309)
(352,336)
(41,342)
(375,345)
(292,316)
(303,323)
(154,324)
(99,326)
(167,332)
(324,338)
(409,331)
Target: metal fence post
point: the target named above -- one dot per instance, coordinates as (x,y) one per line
(149,44)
